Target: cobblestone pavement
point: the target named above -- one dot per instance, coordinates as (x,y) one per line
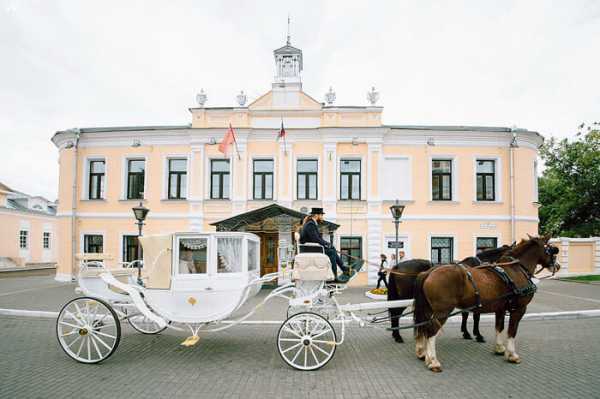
(43,293)
(560,360)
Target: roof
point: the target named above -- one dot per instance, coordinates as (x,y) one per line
(260,214)
(287,49)
(457,128)
(125,128)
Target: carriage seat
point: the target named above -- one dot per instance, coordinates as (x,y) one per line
(310,266)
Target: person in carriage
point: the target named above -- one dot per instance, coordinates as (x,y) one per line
(310,234)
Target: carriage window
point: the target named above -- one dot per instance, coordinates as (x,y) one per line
(229,255)
(193,255)
(441,180)
(252,255)
(486,180)
(442,249)
(484,243)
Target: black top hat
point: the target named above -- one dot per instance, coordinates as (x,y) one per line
(317,211)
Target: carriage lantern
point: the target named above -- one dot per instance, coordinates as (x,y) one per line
(140,212)
(397,210)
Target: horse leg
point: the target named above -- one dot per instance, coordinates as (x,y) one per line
(395,315)
(463,325)
(476,333)
(420,347)
(431,359)
(513,323)
(499,348)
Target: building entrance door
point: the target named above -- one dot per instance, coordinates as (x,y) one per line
(268,253)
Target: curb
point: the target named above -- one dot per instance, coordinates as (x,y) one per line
(575,314)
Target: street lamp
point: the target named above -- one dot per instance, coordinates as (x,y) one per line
(140,212)
(396,211)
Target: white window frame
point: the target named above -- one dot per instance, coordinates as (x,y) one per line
(454,178)
(444,235)
(85,179)
(91,233)
(208,179)
(49,240)
(307,157)
(125,171)
(27,239)
(497,178)
(363,176)
(485,235)
(410,176)
(250,194)
(165,176)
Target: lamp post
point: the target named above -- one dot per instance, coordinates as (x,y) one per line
(396,211)
(140,212)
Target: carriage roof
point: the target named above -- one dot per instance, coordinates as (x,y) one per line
(159,251)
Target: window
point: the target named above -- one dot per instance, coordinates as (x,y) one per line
(486,180)
(441,180)
(229,254)
(135,178)
(484,243)
(177,178)
(307,179)
(23,239)
(350,180)
(442,250)
(131,250)
(46,240)
(193,255)
(93,244)
(263,179)
(96,180)
(350,248)
(219,179)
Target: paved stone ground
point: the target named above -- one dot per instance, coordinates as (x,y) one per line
(560,360)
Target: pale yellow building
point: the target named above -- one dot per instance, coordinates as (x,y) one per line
(464,187)
(28,228)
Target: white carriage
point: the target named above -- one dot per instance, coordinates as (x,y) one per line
(195,281)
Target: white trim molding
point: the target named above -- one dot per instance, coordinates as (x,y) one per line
(498,182)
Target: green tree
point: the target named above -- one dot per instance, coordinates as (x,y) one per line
(569,189)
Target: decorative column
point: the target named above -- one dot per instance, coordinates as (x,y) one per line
(329,171)
(596,255)
(285,174)
(374,211)
(196,187)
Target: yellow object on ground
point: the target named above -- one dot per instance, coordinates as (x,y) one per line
(191,341)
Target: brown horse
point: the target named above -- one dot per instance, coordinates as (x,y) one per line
(402,279)
(439,291)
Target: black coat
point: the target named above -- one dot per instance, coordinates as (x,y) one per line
(310,233)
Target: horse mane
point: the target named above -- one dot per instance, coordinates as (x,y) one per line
(492,253)
(522,246)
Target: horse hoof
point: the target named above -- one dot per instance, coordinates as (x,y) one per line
(499,350)
(498,353)
(399,339)
(514,359)
(421,357)
(467,336)
(480,339)
(436,369)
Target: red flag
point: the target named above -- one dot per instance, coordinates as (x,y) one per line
(281,134)
(227,140)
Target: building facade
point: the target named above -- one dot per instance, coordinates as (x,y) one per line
(465,188)
(28,229)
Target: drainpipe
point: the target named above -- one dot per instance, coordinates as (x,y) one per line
(512,146)
(75,144)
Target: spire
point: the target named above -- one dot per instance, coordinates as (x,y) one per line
(289,39)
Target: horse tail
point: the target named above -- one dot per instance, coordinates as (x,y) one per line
(422,308)
(392,290)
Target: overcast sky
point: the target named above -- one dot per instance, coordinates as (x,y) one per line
(70,64)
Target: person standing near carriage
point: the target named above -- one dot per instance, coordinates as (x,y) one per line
(382,271)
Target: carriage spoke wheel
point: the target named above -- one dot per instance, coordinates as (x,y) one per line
(88,330)
(306,341)
(144,325)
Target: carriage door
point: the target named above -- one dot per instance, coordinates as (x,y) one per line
(268,253)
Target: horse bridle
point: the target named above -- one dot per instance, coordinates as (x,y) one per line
(550,251)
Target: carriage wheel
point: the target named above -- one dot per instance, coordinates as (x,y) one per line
(88,330)
(306,341)
(142,324)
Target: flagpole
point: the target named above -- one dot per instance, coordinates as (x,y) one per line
(236,144)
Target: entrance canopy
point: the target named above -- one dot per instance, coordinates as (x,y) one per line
(271,218)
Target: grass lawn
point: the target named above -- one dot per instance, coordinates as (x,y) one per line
(583,279)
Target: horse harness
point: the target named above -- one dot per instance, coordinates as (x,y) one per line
(513,293)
